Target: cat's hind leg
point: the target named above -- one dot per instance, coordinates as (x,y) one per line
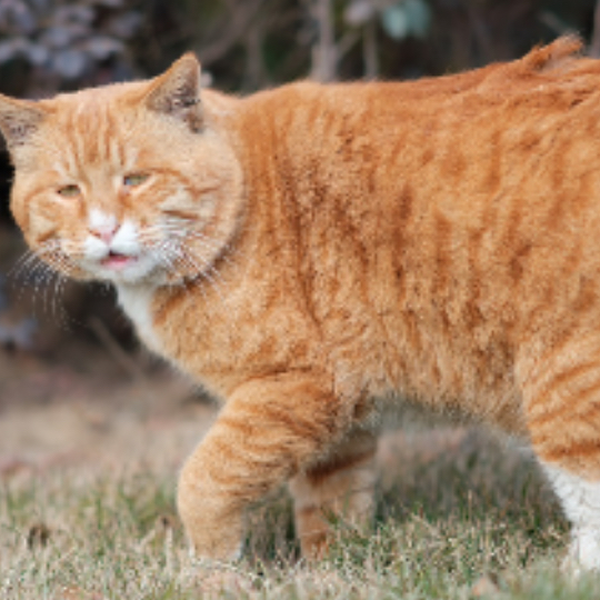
(580,499)
(562,403)
(341,485)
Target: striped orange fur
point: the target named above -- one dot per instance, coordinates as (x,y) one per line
(308,249)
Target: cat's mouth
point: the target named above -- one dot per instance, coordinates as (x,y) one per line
(117,262)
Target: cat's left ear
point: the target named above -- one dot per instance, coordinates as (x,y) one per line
(177,92)
(19,119)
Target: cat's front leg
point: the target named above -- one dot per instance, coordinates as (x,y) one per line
(269,429)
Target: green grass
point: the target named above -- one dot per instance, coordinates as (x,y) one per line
(481,512)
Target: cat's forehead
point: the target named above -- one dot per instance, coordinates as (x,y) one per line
(95,100)
(92,127)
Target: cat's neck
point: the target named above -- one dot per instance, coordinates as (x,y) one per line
(136,302)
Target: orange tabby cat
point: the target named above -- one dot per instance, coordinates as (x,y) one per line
(307,249)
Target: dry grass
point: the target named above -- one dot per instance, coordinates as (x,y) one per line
(458,516)
(87,481)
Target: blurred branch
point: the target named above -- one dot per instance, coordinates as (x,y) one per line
(347,42)
(370,52)
(324,52)
(233,28)
(255,72)
(594,49)
(555,23)
(480,32)
(124,360)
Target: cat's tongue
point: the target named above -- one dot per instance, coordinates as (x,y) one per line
(117,261)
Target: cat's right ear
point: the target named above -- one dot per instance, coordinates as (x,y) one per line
(19,119)
(177,92)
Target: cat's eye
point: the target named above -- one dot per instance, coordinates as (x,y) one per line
(69,191)
(135,179)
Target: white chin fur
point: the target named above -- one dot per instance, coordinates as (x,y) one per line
(142,270)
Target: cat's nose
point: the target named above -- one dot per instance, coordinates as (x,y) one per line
(105,232)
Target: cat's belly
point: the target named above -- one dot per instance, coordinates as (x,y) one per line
(136,302)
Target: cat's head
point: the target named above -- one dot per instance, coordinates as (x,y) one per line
(131,183)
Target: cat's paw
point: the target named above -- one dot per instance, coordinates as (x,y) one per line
(221,582)
(234,555)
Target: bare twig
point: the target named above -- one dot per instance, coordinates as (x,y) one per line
(370,54)
(324,53)
(238,20)
(594,49)
(347,42)
(255,76)
(114,349)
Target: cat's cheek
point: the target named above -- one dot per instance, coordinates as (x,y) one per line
(207,208)
(40,228)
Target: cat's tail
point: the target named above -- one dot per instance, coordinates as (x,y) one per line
(560,63)
(560,54)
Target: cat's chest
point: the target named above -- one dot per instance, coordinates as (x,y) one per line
(136,302)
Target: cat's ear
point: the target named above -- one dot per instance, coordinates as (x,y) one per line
(177,92)
(19,119)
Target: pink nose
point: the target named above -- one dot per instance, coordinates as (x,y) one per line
(104,232)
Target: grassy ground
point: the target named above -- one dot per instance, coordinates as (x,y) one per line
(458,516)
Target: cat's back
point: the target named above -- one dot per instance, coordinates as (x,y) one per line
(549,78)
(470,134)
(445,221)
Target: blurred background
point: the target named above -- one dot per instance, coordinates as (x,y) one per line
(62,341)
